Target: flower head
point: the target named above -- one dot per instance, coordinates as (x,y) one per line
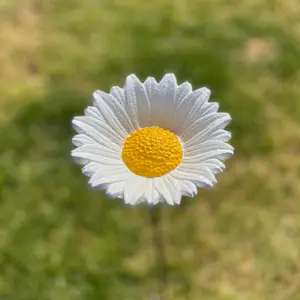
(152,142)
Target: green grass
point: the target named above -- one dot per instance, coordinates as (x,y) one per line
(61,241)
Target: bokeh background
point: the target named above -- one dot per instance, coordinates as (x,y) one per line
(61,241)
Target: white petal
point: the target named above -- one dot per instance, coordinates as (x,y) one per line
(218,154)
(208,113)
(208,129)
(208,108)
(151,194)
(198,169)
(200,125)
(116,189)
(189,108)
(176,188)
(166,189)
(92,145)
(134,189)
(105,170)
(97,130)
(95,152)
(208,149)
(215,165)
(82,139)
(162,99)
(221,135)
(188,188)
(198,178)
(84,158)
(101,179)
(181,93)
(136,91)
(93,111)
(206,146)
(91,168)
(131,102)
(97,149)
(119,94)
(113,113)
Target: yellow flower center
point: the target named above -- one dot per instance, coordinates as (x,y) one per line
(152,152)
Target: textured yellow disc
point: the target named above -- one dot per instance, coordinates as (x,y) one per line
(152,152)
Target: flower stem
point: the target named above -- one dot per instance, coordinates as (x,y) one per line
(159,248)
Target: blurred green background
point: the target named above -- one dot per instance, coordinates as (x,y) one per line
(60,241)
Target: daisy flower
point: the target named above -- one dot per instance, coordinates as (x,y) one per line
(152,142)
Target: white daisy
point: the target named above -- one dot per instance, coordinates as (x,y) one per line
(152,142)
